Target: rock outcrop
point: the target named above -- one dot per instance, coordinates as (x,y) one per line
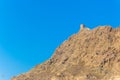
(86,55)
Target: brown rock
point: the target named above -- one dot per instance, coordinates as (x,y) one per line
(87,55)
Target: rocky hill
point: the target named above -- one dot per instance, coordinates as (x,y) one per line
(86,55)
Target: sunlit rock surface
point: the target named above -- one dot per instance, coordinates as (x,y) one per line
(86,55)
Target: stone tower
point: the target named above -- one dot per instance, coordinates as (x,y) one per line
(82,26)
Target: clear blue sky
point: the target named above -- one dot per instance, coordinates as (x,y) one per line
(30,30)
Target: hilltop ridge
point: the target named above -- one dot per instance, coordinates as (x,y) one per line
(86,55)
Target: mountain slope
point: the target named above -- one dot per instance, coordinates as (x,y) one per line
(87,55)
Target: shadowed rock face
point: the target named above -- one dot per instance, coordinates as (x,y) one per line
(87,55)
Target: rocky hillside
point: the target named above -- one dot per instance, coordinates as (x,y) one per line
(86,55)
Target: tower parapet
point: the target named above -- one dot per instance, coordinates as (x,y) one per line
(83,27)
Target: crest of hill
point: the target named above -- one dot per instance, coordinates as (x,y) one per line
(86,55)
